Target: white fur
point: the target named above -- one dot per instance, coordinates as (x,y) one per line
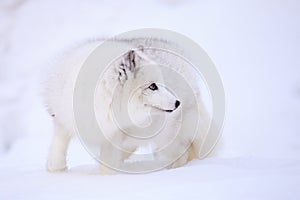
(59,94)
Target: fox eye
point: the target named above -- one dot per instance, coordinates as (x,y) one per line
(153,87)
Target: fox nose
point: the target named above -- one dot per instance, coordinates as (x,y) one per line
(177,103)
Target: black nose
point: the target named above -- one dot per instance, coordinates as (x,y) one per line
(177,103)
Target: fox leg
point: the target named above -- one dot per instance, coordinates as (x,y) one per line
(58,150)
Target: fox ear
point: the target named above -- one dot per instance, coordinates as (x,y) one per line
(127,67)
(131,60)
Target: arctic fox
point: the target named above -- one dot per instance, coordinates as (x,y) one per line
(128,77)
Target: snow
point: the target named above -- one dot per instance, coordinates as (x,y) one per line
(255,46)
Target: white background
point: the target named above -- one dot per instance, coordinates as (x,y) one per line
(255,46)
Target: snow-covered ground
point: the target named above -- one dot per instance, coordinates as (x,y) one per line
(254,44)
